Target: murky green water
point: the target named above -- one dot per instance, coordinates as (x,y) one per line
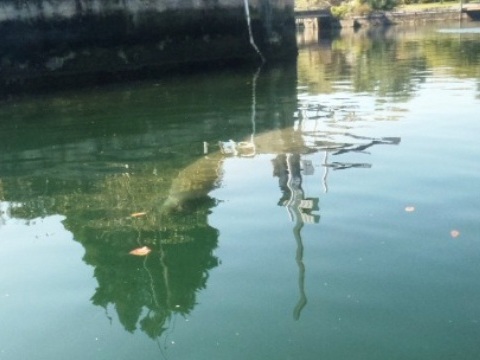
(339,218)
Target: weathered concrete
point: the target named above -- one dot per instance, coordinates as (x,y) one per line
(472,11)
(48,39)
(323,20)
(403,17)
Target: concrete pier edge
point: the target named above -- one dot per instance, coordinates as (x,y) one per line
(58,41)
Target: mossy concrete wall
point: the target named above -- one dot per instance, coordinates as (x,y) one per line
(391,17)
(55,39)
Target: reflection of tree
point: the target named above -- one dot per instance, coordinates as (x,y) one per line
(147,291)
(103,158)
(387,62)
(368,60)
(144,291)
(462,66)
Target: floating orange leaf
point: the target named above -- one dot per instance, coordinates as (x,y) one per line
(410,208)
(141,251)
(138,214)
(454,233)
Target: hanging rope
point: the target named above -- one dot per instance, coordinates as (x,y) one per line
(250,34)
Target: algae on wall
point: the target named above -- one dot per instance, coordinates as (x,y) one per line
(59,37)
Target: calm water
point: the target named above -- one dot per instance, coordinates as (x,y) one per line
(327,210)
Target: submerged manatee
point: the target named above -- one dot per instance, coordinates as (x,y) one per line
(189,190)
(191,186)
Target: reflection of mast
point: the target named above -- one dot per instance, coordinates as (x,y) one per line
(247,148)
(325,162)
(294,183)
(254,101)
(302,301)
(244,148)
(293,207)
(299,210)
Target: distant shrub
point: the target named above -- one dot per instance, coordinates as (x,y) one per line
(340,11)
(383,4)
(362,7)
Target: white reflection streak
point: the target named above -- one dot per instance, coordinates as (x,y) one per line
(250,34)
(290,187)
(2,213)
(325,162)
(254,105)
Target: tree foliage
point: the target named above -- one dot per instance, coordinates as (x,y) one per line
(361,7)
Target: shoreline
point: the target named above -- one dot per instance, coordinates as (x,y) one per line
(398,16)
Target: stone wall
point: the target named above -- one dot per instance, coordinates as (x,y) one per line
(100,39)
(390,18)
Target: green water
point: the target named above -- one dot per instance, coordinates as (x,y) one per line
(341,220)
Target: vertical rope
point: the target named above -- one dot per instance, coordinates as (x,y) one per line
(250,34)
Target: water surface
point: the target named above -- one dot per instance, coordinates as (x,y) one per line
(323,210)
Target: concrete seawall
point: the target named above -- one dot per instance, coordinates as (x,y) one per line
(325,21)
(54,39)
(401,17)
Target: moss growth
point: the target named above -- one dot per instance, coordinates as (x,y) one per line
(116,41)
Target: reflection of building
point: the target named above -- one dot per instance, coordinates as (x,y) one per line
(322,132)
(288,168)
(312,133)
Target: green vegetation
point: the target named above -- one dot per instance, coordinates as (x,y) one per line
(313,4)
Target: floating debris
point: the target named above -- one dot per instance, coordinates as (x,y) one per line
(410,208)
(228,147)
(454,233)
(138,214)
(141,251)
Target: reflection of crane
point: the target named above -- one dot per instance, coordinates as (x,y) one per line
(293,206)
(331,140)
(289,144)
(288,169)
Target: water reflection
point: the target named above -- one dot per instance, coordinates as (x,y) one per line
(146,292)
(102,193)
(164,150)
(128,172)
(289,146)
(161,149)
(388,62)
(288,169)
